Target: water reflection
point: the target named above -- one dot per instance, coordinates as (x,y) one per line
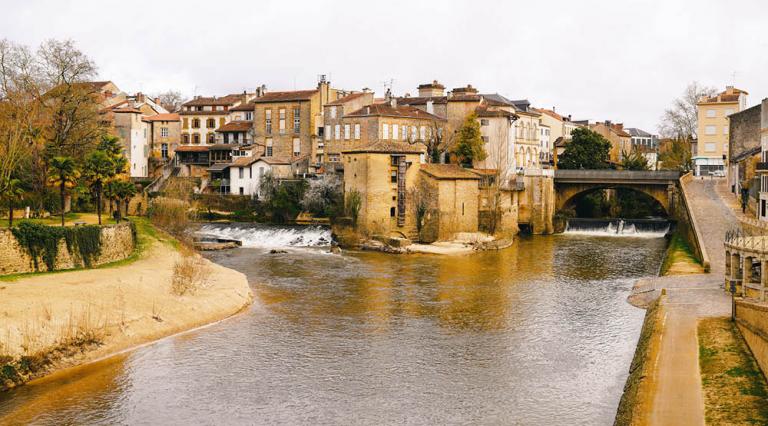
(535,334)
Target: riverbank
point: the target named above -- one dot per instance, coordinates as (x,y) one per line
(49,324)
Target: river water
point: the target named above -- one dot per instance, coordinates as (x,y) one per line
(539,333)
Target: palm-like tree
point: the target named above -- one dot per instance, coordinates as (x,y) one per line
(99,168)
(12,192)
(65,176)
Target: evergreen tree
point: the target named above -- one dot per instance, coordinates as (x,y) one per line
(586,150)
(64,176)
(99,168)
(469,143)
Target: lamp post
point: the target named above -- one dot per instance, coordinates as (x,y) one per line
(733,300)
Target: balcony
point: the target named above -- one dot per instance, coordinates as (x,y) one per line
(762,167)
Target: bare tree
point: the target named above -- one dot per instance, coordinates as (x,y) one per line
(496,175)
(680,120)
(170,100)
(435,140)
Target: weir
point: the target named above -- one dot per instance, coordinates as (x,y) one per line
(646,228)
(269,236)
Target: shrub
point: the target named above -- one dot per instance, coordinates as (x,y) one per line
(170,214)
(352,204)
(324,196)
(42,241)
(189,274)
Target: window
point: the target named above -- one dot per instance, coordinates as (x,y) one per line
(485,139)
(269,147)
(333,112)
(296,147)
(337,131)
(242,191)
(357,131)
(164,132)
(393,176)
(346,131)
(240,172)
(413,133)
(185,138)
(711,113)
(296,120)
(195,123)
(484,122)
(282,121)
(404,131)
(395,131)
(211,138)
(710,130)
(211,123)
(185,124)
(268,121)
(249,116)
(709,147)
(385,131)
(392,212)
(328,132)
(164,151)
(334,158)
(196,138)
(422,133)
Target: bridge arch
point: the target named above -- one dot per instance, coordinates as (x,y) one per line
(566,197)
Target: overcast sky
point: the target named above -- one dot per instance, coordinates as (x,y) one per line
(619,60)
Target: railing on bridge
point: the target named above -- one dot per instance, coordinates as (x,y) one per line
(612,175)
(745,240)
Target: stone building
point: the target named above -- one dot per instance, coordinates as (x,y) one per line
(712,132)
(288,124)
(527,139)
(451,203)
(339,134)
(743,148)
(202,116)
(621,141)
(762,166)
(128,118)
(164,138)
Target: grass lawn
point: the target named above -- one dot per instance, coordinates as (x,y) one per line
(680,259)
(735,390)
(69,219)
(146,234)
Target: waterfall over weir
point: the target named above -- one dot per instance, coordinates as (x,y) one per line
(269,236)
(645,228)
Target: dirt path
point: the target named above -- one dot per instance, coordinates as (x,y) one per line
(678,398)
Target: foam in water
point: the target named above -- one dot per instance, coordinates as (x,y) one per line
(271,236)
(617,228)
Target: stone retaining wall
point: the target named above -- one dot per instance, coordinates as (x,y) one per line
(752,320)
(117,243)
(688,226)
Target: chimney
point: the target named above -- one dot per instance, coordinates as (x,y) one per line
(367,110)
(553,109)
(157,101)
(140,97)
(729,90)
(430,90)
(569,117)
(430,107)
(393,102)
(366,90)
(388,95)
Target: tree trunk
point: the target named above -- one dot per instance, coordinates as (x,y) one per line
(10,213)
(117,217)
(127,204)
(61,189)
(98,203)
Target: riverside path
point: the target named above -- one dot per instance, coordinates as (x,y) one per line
(678,398)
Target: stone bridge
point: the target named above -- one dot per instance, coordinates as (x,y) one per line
(661,185)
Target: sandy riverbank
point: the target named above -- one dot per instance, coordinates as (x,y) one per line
(126,306)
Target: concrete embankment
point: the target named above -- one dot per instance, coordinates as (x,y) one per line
(54,321)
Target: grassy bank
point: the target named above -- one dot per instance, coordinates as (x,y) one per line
(635,404)
(735,390)
(680,259)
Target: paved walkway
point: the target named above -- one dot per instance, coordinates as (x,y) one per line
(678,398)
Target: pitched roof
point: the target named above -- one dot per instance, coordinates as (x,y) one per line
(213,100)
(236,126)
(633,131)
(496,99)
(278,160)
(389,148)
(483,111)
(296,95)
(245,161)
(400,111)
(163,117)
(551,113)
(731,94)
(127,109)
(448,171)
(421,100)
(345,99)
(247,106)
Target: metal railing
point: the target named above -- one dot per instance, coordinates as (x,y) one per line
(644,175)
(747,240)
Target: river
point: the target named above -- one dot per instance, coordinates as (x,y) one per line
(539,333)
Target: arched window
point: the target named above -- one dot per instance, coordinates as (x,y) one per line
(185,138)
(195,123)
(196,138)
(211,138)
(211,123)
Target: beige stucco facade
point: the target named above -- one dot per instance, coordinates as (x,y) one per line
(712,130)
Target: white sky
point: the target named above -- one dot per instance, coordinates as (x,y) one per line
(619,60)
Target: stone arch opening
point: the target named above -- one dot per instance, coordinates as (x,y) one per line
(624,195)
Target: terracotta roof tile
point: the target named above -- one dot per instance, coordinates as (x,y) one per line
(296,95)
(249,106)
(448,171)
(236,126)
(389,147)
(401,111)
(191,148)
(345,99)
(163,117)
(224,100)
